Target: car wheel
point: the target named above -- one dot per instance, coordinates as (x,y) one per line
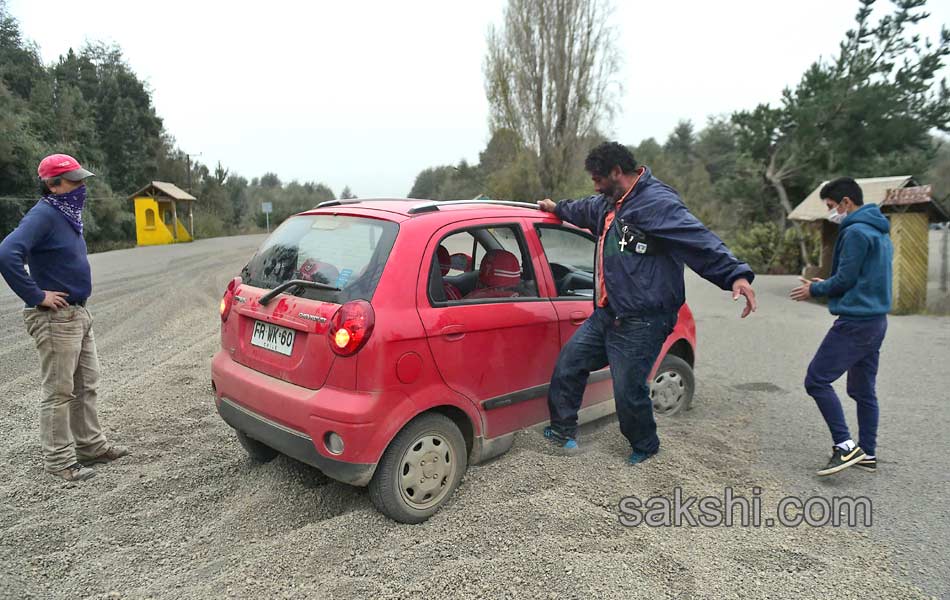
(258,452)
(420,469)
(672,387)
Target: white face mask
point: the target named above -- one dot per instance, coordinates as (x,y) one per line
(835,217)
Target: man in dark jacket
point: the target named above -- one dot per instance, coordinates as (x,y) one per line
(645,235)
(49,240)
(859,292)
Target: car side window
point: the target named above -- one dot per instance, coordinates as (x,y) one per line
(482,265)
(570,254)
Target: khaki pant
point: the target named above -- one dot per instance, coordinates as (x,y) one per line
(69,365)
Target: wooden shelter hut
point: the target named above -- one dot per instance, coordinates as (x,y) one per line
(156,214)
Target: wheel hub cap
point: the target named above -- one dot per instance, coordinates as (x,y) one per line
(667,391)
(427,468)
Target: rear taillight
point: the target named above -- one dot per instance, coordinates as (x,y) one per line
(350,327)
(228,299)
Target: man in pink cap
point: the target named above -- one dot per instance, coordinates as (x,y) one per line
(49,240)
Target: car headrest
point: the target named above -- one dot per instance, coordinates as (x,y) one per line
(499,268)
(445,260)
(319,271)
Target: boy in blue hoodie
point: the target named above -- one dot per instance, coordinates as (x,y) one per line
(859,293)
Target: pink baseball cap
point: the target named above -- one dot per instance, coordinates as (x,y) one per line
(62,165)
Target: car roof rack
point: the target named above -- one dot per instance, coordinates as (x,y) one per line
(343,201)
(326,203)
(432,206)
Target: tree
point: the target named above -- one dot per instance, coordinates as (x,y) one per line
(270,180)
(464,181)
(648,152)
(681,144)
(287,200)
(20,64)
(347,194)
(429,181)
(236,188)
(939,174)
(716,148)
(502,150)
(516,180)
(549,77)
(19,152)
(873,105)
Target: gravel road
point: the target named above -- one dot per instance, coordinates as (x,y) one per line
(188,516)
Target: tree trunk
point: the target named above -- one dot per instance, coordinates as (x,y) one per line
(776,181)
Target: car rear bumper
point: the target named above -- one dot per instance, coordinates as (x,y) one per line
(293,443)
(296,420)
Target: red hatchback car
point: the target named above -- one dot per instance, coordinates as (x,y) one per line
(391,343)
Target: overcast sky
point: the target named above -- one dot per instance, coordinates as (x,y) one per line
(367,94)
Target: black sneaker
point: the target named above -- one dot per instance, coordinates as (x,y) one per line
(841,459)
(868,464)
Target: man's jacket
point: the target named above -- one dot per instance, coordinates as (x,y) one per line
(860,282)
(644,274)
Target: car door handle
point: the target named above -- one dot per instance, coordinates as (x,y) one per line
(453,333)
(578,317)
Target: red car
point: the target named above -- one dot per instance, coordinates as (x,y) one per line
(391,343)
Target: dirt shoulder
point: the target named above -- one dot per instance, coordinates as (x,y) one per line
(188,516)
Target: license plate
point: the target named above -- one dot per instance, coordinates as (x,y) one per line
(273,337)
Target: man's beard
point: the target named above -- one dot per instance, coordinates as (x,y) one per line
(615,192)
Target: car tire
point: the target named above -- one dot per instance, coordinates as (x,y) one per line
(430,449)
(672,388)
(258,452)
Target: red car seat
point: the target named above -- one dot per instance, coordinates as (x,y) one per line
(498,276)
(445,265)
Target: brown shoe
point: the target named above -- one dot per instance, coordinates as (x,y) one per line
(75,472)
(113,453)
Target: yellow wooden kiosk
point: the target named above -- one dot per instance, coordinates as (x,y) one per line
(157,214)
(910,208)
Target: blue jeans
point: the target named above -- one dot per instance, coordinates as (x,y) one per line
(630,345)
(851,347)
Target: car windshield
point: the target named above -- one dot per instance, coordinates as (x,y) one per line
(345,252)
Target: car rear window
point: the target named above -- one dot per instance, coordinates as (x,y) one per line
(343,251)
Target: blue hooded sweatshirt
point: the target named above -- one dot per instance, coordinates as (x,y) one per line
(860,282)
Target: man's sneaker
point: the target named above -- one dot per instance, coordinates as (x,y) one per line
(561,441)
(113,453)
(842,459)
(75,472)
(637,457)
(868,464)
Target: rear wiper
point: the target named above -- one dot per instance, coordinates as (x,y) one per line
(295,283)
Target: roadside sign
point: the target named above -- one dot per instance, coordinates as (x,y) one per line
(267,208)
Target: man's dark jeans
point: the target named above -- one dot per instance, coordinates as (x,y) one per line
(851,347)
(630,345)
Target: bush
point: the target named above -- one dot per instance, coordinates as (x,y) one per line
(108,245)
(209,226)
(769,251)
